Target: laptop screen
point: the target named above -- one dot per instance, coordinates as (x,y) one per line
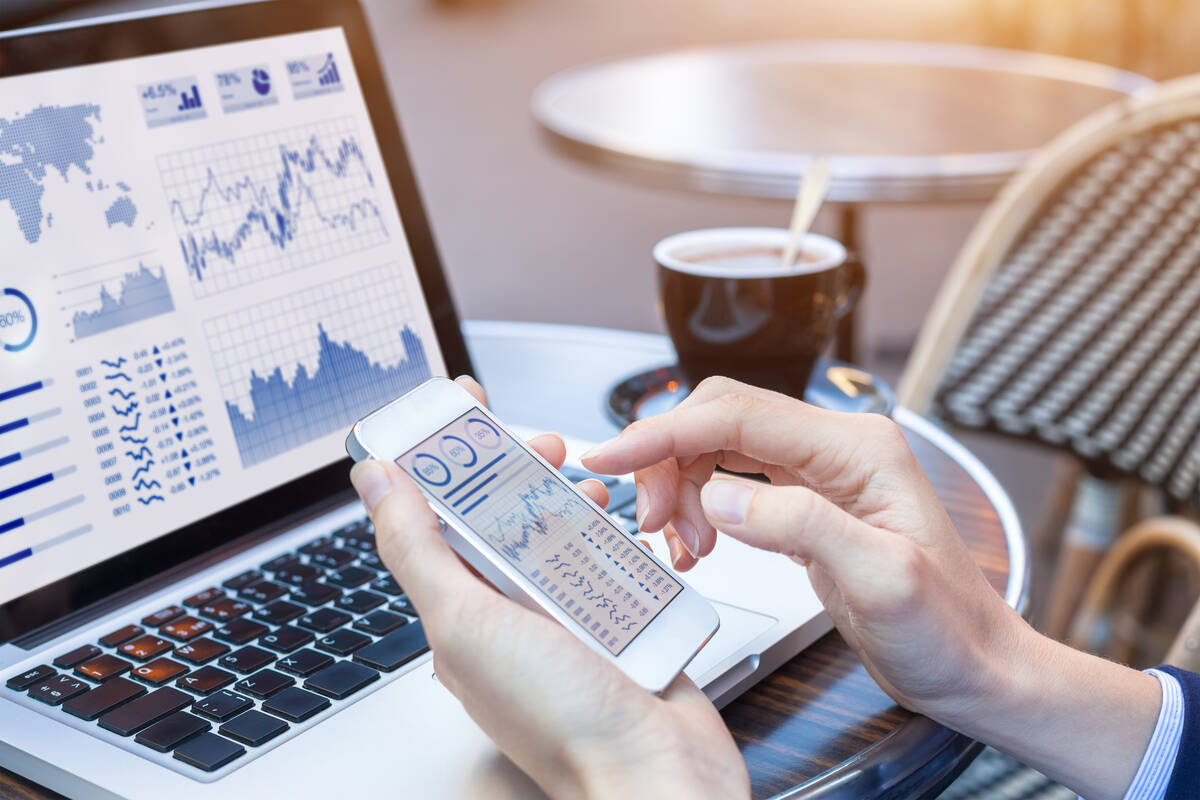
(204,281)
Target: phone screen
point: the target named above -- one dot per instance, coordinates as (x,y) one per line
(587,566)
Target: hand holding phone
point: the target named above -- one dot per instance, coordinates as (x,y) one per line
(554,705)
(534,535)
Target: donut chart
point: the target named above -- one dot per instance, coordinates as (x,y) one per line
(18,320)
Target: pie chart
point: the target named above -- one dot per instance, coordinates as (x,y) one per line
(261,81)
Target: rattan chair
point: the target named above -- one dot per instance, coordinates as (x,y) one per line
(1072,317)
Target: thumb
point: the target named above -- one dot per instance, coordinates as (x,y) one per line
(792,520)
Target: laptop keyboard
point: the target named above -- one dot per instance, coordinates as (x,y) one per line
(227,670)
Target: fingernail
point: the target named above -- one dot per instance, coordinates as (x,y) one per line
(598,449)
(643,505)
(688,537)
(371,482)
(726,501)
(676,550)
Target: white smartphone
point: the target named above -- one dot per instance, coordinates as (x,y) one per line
(535,535)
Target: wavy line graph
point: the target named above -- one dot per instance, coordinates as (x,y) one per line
(143,484)
(123,395)
(307,195)
(129,409)
(514,530)
(131,428)
(114,364)
(151,499)
(134,439)
(118,375)
(144,452)
(144,468)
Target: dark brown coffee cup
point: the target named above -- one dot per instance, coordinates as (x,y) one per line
(733,309)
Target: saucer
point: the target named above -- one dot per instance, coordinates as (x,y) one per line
(835,385)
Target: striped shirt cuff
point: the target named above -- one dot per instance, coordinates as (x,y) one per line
(1150,782)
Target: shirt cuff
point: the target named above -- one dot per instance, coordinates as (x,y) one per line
(1150,782)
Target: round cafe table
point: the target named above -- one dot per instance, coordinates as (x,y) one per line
(818,727)
(901,122)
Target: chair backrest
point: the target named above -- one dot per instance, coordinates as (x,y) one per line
(1072,315)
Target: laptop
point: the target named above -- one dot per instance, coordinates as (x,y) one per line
(214,260)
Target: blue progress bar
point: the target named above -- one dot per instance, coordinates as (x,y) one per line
(20,390)
(32,418)
(33,483)
(466,496)
(46,545)
(471,507)
(470,477)
(13,458)
(29,519)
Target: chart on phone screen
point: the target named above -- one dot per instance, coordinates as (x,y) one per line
(578,559)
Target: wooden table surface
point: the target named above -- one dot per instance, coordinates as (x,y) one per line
(902,121)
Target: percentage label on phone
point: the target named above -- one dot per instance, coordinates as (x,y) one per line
(18,320)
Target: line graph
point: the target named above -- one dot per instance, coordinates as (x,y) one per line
(308,364)
(252,208)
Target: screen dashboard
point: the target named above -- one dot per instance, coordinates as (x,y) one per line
(205,282)
(579,560)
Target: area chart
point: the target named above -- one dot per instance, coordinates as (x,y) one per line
(309,364)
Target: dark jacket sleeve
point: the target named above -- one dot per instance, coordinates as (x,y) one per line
(1185,779)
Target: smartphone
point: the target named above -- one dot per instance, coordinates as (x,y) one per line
(535,535)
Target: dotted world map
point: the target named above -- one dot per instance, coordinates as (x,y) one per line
(54,139)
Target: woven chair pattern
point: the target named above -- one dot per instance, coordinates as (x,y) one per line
(1087,337)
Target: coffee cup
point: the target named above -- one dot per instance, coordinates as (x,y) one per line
(733,308)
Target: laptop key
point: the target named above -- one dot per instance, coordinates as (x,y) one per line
(341,680)
(286,638)
(103,698)
(186,628)
(201,598)
(299,574)
(159,618)
(303,662)
(263,592)
(295,704)
(167,734)
(145,648)
(333,558)
(323,620)
(254,728)
(387,584)
(404,606)
(224,609)
(360,602)
(343,642)
(315,594)
(360,541)
(264,683)
(29,677)
(247,660)
(200,651)
(281,562)
(240,631)
(79,654)
(102,667)
(279,612)
(242,580)
(122,635)
(321,543)
(130,718)
(206,680)
(208,751)
(394,650)
(222,705)
(58,689)
(351,577)
(379,622)
(159,671)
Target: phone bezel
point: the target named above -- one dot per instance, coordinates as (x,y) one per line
(654,657)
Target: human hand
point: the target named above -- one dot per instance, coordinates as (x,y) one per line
(849,500)
(566,716)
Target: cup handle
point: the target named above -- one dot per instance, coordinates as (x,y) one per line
(856,281)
